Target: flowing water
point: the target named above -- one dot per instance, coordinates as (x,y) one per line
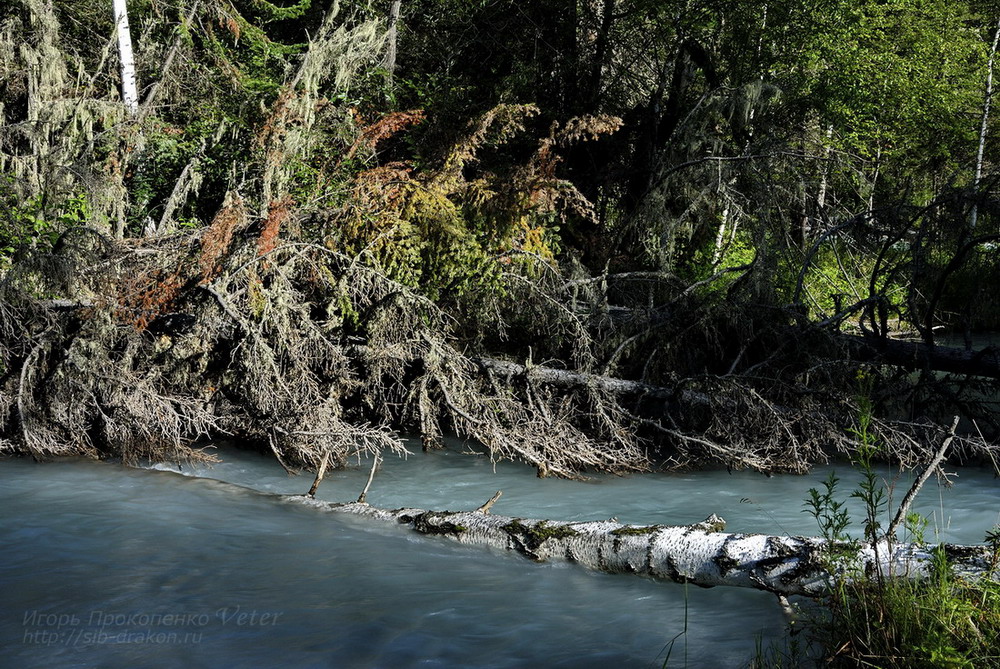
(102,565)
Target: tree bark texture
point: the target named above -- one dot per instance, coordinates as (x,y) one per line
(129,95)
(563,378)
(974,214)
(700,554)
(918,355)
(391,42)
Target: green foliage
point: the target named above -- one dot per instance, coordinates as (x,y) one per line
(791,652)
(898,621)
(940,621)
(36,223)
(837,277)
(871,491)
(830,514)
(454,227)
(891,76)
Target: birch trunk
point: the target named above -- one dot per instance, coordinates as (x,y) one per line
(129,95)
(974,214)
(700,554)
(392,39)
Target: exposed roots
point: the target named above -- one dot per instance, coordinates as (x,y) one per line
(301,349)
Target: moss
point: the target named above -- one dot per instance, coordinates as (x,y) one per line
(536,535)
(635,530)
(428,523)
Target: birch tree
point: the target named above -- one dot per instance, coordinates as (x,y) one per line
(129,95)
(974,215)
(391,40)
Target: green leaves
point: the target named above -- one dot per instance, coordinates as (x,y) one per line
(830,514)
(895,77)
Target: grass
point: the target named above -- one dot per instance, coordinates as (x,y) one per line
(939,621)
(887,622)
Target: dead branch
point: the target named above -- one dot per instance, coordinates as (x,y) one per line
(371,477)
(904,506)
(320,473)
(485,508)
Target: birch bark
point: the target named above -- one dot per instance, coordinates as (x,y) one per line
(700,554)
(129,95)
(974,214)
(392,39)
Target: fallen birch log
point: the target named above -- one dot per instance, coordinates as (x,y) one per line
(700,554)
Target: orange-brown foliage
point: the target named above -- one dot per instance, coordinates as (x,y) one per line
(233,27)
(218,236)
(275,126)
(382,129)
(383,183)
(278,212)
(148,295)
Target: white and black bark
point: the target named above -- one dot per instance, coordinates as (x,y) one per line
(984,124)
(392,39)
(700,554)
(129,95)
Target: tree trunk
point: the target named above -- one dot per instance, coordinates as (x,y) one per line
(392,40)
(700,554)
(601,48)
(129,96)
(562,378)
(918,355)
(974,214)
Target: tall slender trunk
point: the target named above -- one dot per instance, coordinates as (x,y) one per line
(392,38)
(129,95)
(825,176)
(720,236)
(760,50)
(974,214)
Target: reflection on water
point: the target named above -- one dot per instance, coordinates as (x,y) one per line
(113,567)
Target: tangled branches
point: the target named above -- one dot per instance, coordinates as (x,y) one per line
(318,357)
(300,349)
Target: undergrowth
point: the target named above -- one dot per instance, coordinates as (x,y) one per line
(893,620)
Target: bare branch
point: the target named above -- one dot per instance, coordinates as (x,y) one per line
(904,506)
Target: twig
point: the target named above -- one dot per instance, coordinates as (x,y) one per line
(791,615)
(22,413)
(904,507)
(272,442)
(147,104)
(624,276)
(320,473)
(371,477)
(224,304)
(485,508)
(455,408)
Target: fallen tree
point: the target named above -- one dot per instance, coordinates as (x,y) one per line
(314,356)
(918,355)
(700,554)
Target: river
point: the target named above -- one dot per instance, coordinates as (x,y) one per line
(103,565)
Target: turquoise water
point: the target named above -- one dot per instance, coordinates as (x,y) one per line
(102,565)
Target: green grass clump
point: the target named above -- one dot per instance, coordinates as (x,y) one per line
(941,621)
